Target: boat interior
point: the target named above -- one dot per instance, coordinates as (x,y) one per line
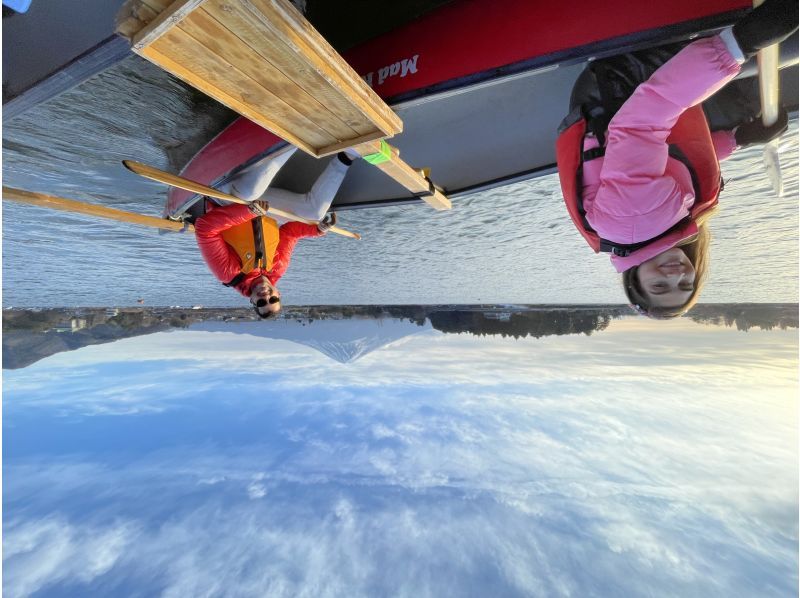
(480,136)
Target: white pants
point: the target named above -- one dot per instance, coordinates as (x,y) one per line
(252,184)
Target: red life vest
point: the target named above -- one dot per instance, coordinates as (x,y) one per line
(690,142)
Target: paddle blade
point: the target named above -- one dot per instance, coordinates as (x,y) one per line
(773,166)
(160,176)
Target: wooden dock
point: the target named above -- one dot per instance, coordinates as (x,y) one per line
(264,60)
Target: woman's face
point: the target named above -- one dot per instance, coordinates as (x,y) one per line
(667,280)
(265,296)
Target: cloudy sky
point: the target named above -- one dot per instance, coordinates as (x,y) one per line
(650,459)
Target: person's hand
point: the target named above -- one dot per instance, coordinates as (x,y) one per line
(259,207)
(768,24)
(327,222)
(755,132)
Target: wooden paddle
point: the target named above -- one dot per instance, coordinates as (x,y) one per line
(70,205)
(176,181)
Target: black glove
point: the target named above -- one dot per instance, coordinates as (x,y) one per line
(755,132)
(770,23)
(327,222)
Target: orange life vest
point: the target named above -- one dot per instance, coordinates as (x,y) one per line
(255,242)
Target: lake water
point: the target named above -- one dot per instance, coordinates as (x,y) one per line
(509,245)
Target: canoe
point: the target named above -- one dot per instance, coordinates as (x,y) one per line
(480,86)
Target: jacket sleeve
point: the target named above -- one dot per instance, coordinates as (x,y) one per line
(219,256)
(290,234)
(637,134)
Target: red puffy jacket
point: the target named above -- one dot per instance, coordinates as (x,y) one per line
(222,259)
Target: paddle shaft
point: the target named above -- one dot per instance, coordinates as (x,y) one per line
(70,205)
(768,80)
(173,180)
(769,90)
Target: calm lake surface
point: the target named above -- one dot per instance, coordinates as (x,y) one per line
(509,245)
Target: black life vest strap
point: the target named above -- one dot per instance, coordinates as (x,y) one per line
(235,280)
(598,117)
(258,239)
(624,250)
(585,157)
(594,153)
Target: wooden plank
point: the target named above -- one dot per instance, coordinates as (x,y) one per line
(221,96)
(133,17)
(289,25)
(70,205)
(205,29)
(165,21)
(343,145)
(279,54)
(211,76)
(294,25)
(404,174)
(158,5)
(127,27)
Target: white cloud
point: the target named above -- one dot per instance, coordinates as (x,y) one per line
(255,491)
(430,473)
(39,553)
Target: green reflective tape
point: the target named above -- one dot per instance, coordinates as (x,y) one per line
(380,157)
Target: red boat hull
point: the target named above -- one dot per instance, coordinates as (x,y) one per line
(471,41)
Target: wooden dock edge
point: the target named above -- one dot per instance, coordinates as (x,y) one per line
(166,33)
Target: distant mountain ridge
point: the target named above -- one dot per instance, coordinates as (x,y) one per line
(345,340)
(344,333)
(22,348)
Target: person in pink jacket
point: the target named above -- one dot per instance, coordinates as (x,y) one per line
(647,176)
(250,252)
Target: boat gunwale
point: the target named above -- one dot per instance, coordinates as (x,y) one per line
(640,40)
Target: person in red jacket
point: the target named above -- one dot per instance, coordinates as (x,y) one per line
(250,251)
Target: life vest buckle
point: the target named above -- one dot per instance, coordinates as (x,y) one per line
(609,247)
(620,252)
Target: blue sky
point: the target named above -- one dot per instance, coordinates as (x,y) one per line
(649,459)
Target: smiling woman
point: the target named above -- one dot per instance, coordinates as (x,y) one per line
(669,284)
(413,470)
(639,151)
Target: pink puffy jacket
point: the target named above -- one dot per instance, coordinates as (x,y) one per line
(636,191)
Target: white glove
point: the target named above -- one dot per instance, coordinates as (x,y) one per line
(259,207)
(327,223)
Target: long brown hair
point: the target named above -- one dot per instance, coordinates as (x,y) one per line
(697,250)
